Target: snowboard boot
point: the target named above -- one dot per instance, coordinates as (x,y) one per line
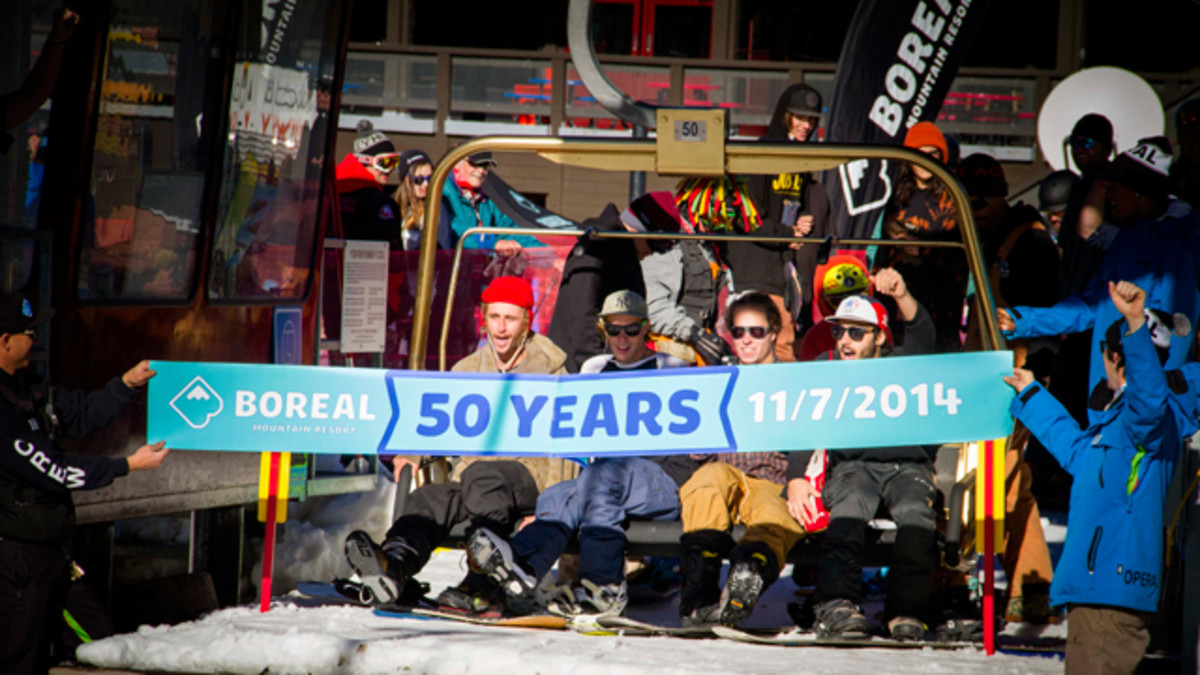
(700,594)
(492,555)
(752,568)
(840,618)
(476,594)
(601,599)
(380,583)
(906,628)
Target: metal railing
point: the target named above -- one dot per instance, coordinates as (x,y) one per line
(640,155)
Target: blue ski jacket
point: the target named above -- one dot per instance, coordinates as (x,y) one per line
(462,217)
(1161,256)
(1122,465)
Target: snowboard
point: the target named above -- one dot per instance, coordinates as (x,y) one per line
(340,592)
(543,621)
(604,624)
(798,638)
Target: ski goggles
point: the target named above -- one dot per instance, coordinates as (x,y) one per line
(630,329)
(756,332)
(856,333)
(386,162)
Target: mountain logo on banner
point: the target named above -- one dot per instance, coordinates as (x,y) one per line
(197,403)
(863,195)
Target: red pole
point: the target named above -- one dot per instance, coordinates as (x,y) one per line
(989,553)
(268,569)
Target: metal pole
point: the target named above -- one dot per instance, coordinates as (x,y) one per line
(637,179)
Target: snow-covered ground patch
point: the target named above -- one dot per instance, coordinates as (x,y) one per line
(293,638)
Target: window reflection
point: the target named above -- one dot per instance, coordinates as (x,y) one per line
(142,222)
(274,154)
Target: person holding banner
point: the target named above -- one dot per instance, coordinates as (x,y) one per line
(495,493)
(37,513)
(736,487)
(593,506)
(1111,570)
(857,480)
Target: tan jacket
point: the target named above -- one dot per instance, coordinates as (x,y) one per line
(542,357)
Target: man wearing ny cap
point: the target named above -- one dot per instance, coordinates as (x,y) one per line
(1157,249)
(594,506)
(466,206)
(367,210)
(483,491)
(857,480)
(37,514)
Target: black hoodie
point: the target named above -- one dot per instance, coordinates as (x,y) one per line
(760,266)
(594,268)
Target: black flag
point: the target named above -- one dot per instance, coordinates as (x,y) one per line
(523,211)
(895,69)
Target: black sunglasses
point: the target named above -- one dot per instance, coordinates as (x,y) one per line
(978,203)
(856,333)
(1082,142)
(630,329)
(420,180)
(756,332)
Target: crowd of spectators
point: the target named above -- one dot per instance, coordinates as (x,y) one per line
(1052,270)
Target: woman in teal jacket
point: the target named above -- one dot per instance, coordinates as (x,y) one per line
(1110,572)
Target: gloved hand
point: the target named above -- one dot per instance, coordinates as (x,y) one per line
(710,346)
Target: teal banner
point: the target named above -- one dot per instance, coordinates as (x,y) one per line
(836,404)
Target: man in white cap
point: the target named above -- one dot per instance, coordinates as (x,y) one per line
(857,480)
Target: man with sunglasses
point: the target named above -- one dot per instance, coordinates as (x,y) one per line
(367,209)
(1018,252)
(736,487)
(593,506)
(37,479)
(1084,237)
(466,206)
(857,480)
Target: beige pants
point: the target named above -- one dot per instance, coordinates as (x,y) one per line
(1026,558)
(718,496)
(1105,640)
(786,342)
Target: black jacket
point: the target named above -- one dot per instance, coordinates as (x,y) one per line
(780,199)
(593,269)
(36,477)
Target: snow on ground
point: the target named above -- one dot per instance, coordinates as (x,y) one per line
(296,636)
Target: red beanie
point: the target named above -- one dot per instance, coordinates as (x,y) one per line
(511,290)
(926,133)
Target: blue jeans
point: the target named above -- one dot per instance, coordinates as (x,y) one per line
(606,494)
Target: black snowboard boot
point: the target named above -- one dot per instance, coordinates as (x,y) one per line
(840,618)
(382,576)
(492,555)
(752,568)
(700,567)
(476,594)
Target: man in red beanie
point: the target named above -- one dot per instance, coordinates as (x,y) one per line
(493,493)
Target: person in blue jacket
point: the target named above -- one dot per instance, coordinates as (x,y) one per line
(1157,249)
(465,206)
(1111,570)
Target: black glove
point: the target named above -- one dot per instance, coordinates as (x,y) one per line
(710,346)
